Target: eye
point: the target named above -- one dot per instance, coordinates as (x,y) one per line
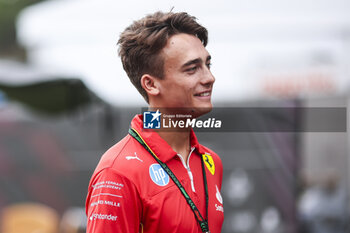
(192,69)
(209,65)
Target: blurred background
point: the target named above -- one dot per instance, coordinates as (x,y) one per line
(65,99)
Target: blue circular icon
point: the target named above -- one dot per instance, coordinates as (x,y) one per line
(158,175)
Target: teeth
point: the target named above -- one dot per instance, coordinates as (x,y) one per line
(204,94)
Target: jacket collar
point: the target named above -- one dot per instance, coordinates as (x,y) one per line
(157,144)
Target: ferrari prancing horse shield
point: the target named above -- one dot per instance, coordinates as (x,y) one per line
(209,162)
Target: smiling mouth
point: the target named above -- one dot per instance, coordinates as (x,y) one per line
(203,94)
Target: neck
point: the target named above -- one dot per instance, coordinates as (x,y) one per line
(179,142)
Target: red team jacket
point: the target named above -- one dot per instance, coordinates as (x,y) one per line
(129,192)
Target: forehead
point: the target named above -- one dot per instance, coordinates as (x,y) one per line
(181,48)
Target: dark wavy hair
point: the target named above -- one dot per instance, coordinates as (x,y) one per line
(141,43)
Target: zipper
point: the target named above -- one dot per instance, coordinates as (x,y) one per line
(187,166)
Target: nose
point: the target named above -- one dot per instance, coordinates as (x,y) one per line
(208,78)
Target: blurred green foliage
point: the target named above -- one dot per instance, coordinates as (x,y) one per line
(51,97)
(9,10)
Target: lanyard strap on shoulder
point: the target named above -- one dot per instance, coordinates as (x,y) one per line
(201,221)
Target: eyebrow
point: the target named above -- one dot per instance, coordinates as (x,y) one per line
(195,61)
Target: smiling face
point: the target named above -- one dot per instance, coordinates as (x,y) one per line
(187,81)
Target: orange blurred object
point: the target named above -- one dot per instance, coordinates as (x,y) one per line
(29,218)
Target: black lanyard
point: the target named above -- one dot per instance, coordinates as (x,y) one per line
(201,221)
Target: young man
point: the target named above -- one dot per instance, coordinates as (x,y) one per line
(161,181)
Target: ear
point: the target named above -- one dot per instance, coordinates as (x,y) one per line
(150,84)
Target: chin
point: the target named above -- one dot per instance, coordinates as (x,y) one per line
(198,111)
(195,109)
